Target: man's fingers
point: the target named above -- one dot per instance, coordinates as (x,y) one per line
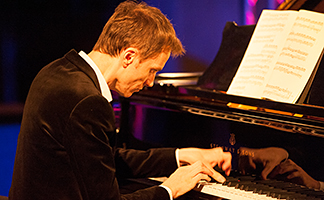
(218,177)
(208,170)
(215,175)
(203,168)
(226,163)
(202,176)
(211,173)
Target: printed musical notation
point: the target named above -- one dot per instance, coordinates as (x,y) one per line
(277,63)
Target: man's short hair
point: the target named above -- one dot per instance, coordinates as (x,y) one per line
(141,26)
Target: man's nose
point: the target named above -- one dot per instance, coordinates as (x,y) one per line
(150,81)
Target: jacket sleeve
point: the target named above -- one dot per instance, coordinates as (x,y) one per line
(151,163)
(89,134)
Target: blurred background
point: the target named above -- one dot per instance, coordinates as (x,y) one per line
(36,32)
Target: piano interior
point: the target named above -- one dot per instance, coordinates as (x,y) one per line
(203,115)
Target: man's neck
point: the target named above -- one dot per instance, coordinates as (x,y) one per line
(107,64)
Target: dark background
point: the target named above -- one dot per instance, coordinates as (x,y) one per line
(36,32)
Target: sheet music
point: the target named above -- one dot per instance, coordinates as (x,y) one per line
(281,55)
(261,53)
(297,59)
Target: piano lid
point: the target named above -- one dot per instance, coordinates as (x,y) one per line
(209,92)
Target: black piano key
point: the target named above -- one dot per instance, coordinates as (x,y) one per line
(297,189)
(272,188)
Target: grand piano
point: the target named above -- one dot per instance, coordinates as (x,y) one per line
(193,110)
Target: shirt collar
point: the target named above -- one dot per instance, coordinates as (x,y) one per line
(105,91)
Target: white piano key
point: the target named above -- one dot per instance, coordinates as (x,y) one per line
(232,193)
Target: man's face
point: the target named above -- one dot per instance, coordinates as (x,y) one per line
(140,74)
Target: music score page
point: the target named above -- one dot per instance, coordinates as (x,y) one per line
(281,56)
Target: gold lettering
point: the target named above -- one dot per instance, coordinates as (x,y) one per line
(238,151)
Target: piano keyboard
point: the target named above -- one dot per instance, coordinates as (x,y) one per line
(247,187)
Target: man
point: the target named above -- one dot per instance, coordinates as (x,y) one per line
(66,146)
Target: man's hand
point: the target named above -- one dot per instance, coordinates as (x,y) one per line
(185,178)
(290,171)
(268,158)
(209,157)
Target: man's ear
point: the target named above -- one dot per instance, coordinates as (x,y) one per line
(130,54)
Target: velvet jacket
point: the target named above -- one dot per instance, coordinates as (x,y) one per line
(66,145)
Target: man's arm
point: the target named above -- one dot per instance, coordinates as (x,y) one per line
(155,162)
(89,132)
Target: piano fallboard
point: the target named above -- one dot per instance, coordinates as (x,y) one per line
(167,116)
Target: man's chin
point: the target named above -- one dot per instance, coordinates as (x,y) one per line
(128,93)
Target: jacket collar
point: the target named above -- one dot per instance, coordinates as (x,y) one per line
(79,62)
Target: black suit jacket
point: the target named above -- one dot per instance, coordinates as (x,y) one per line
(66,142)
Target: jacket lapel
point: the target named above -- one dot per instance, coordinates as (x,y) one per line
(79,62)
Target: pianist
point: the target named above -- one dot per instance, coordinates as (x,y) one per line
(66,142)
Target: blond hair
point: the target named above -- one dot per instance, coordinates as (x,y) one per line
(141,26)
